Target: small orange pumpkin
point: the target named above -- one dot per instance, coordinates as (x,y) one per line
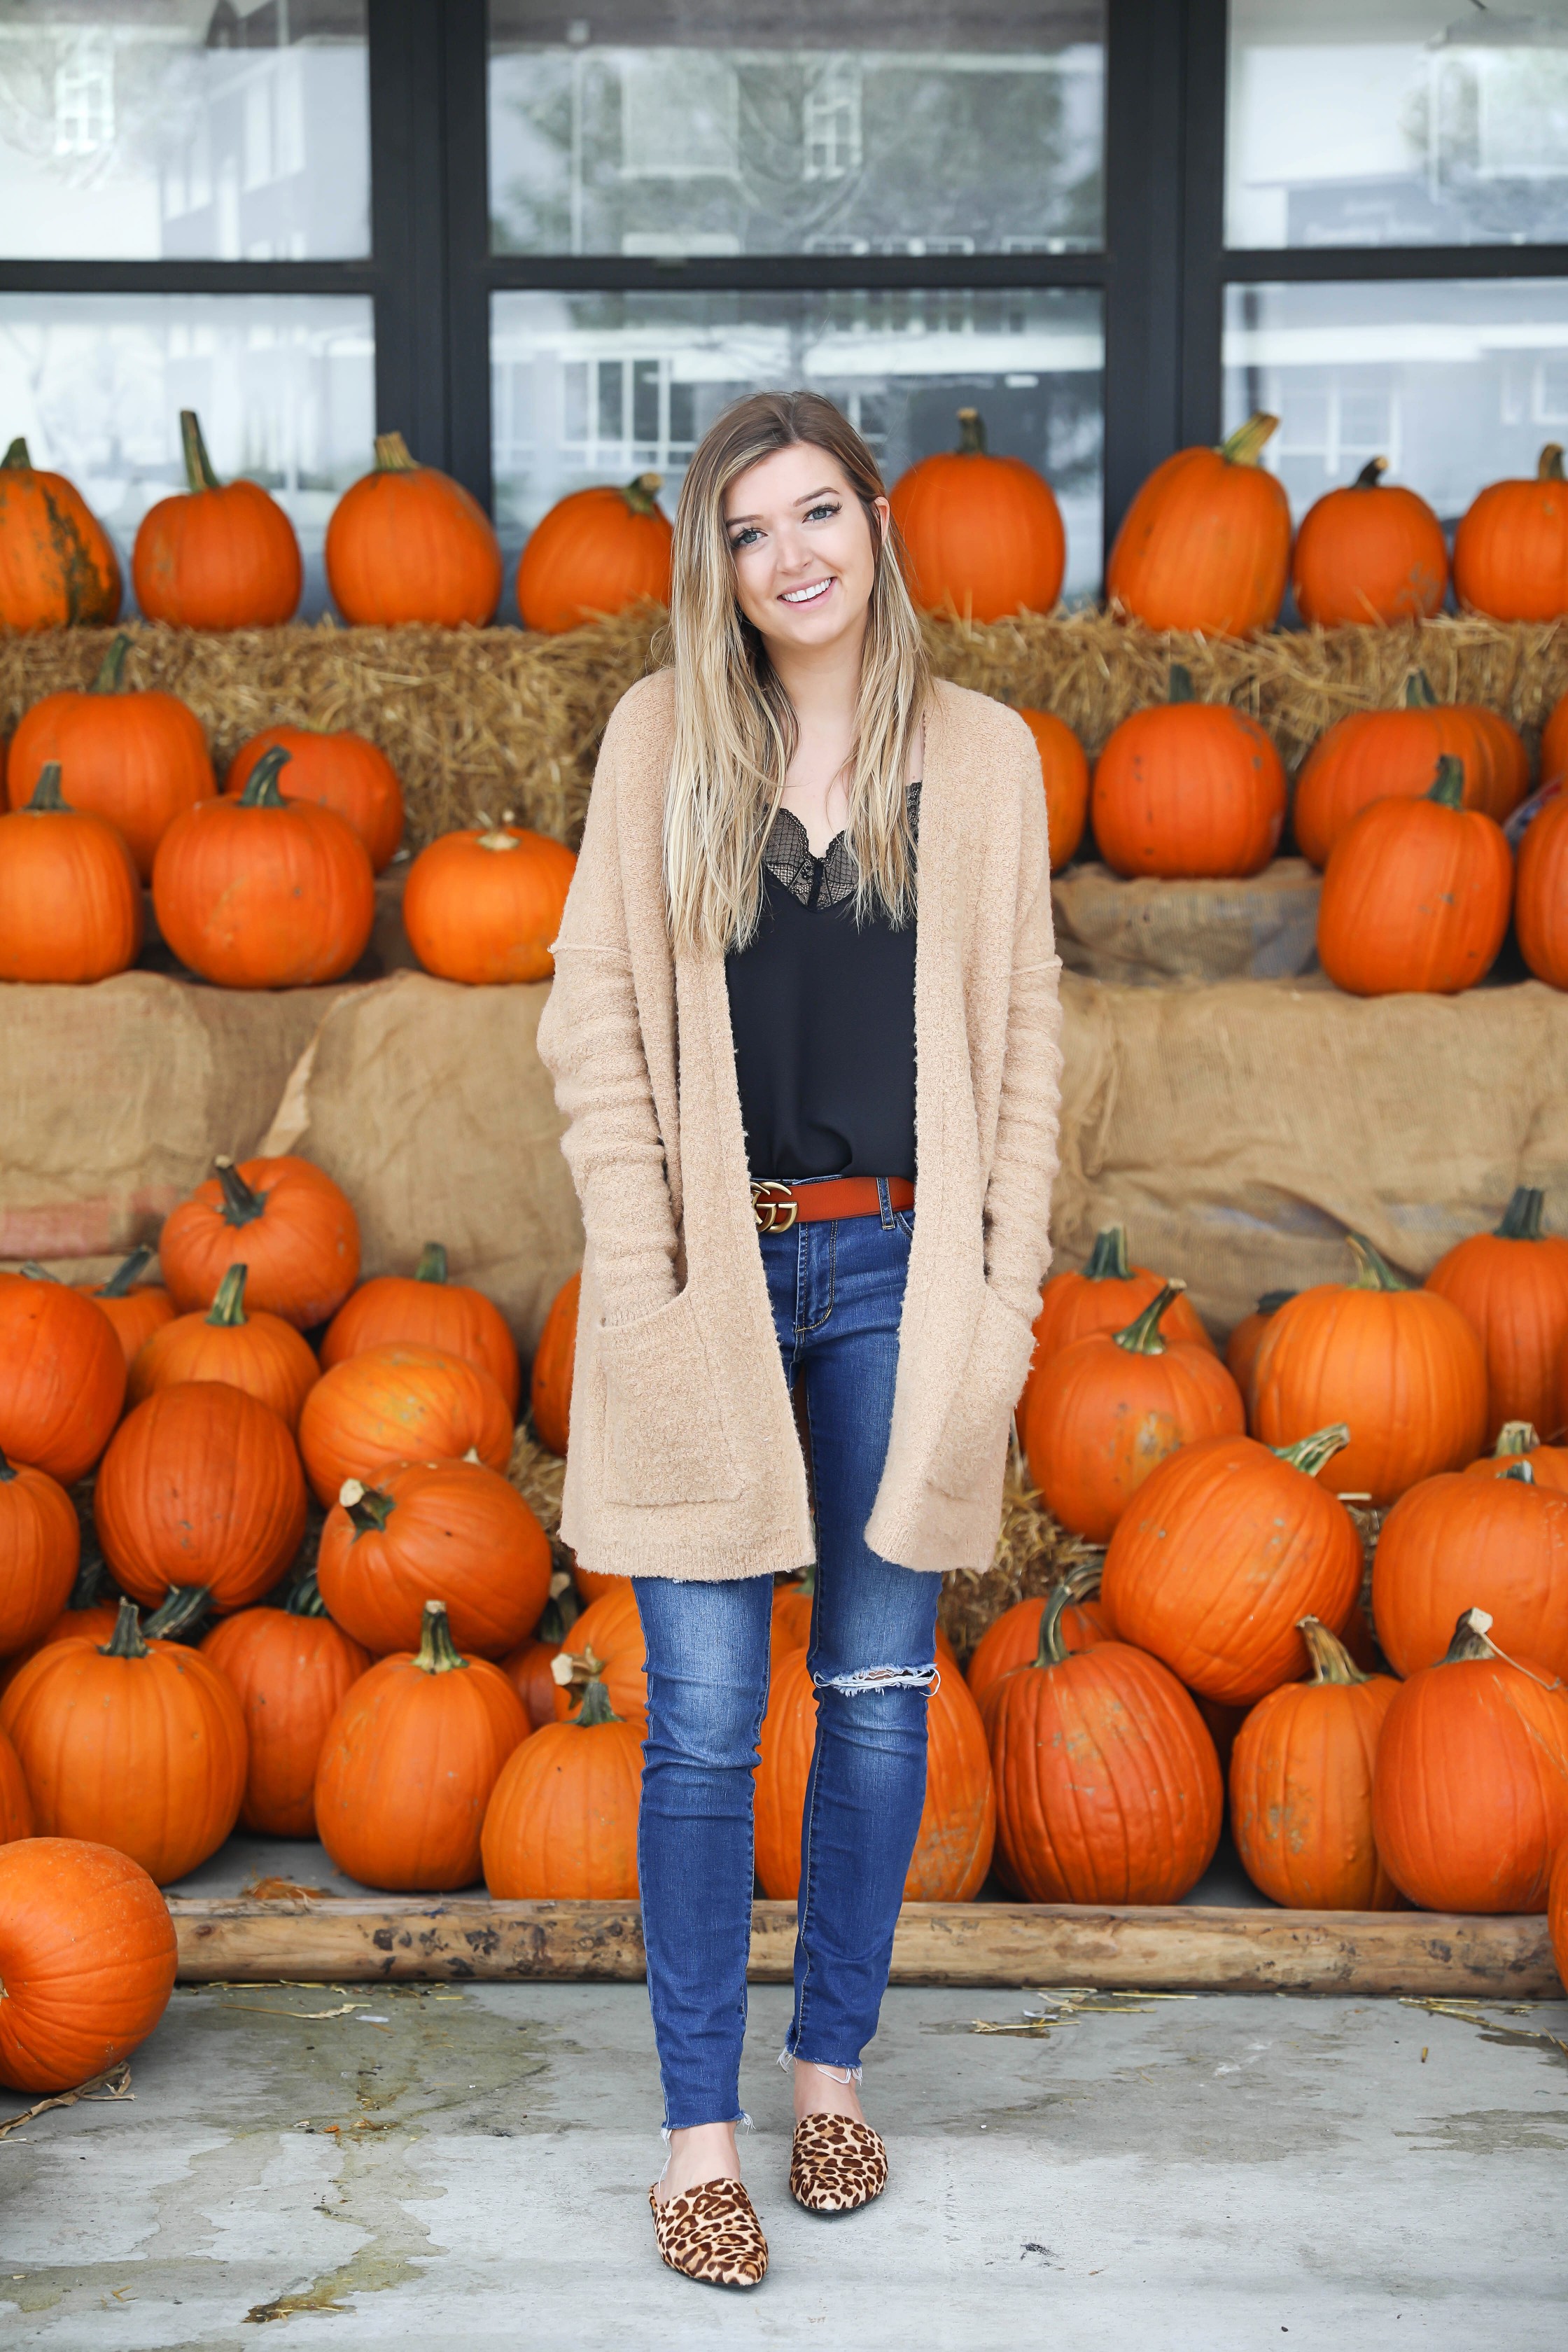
(1510,548)
(426,1310)
(1241,1347)
(1106,1297)
(397,1405)
(596,551)
(1013,1639)
(40,1545)
(1206,544)
(1512,1286)
(136,759)
(981,535)
(70,909)
(87,1955)
(606,1642)
(1416,895)
(449,1531)
(1300,1785)
(200,1487)
(136,1308)
(1541,894)
(1064,766)
(528,1667)
(291,1228)
(15,1805)
(1518,1441)
(555,1365)
(562,1823)
(57,563)
(1188,791)
(337,770)
(1503,1542)
(259,1353)
(484,905)
(62,1377)
(1376,755)
(290,1670)
(1369,553)
(407,543)
(216,556)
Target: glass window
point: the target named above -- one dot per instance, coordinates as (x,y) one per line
(598,387)
(283,386)
(1455,382)
(1397,122)
(688,127)
(176,129)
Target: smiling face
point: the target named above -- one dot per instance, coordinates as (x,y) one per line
(801,548)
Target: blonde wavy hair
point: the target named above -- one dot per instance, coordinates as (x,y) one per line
(735,729)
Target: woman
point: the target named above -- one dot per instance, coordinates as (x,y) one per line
(811,920)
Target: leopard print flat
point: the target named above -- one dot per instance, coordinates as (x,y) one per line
(712,2234)
(836,2163)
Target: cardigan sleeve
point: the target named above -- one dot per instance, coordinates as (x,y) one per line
(1023,1164)
(590,1040)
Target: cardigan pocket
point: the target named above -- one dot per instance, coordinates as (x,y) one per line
(989,1386)
(664,1440)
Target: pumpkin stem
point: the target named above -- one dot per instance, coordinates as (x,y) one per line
(1418,694)
(1143,1336)
(127,1274)
(1180,686)
(1310,1453)
(1372,1271)
(431,1266)
(1245,446)
(1520,1473)
(126,1642)
(261,784)
(1521,1218)
(240,1204)
(1449,789)
(16,455)
(391,455)
(92,1583)
(561,1611)
(305,1599)
(595,1707)
(1081,1584)
(497,839)
(1370,474)
(1470,1639)
(199,471)
(1516,1437)
(436,1653)
(369,1508)
(1108,1258)
(641,493)
(6,1473)
(971,434)
(1272,1301)
(109,669)
(185,1606)
(36,1273)
(1331,1662)
(228,1309)
(1549,465)
(46,794)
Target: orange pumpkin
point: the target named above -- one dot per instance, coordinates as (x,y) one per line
(1400,1366)
(1556,1913)
(91,1614)
(981,536)
(596,551)
(428,1311)
(1512,1286)
(410,1762)
(40,1545)
(606,1642)
(216,556)
(1106,1297)
(62,1377)
(1516,1441)
(1188,791)
(528,1667)
(407,543)
(261,892)
(1013,1638)
(1108,1785)
(1469,1791)
(291,1672)
(139,1745)
(398,1405)
(15,1805)
(1241,1347)
(1541,894)
(88,1957)
(555,1366)
(57,563)
(336,769)
(1222,1552)
(1300,1785)
(1369,553)
(200,1488)
(484,905)
(1375,755)
(1510,548)
(1206,544)
(1501,1541)
(1416,895)
(138,761)
(70,909)
(563,1822)
(135,1309)
(1555,743)
(1114,1406)
(1064,768)
(259,1353)
(288,1225)
(448,1531)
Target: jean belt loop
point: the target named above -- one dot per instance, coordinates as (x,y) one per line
(886,1205)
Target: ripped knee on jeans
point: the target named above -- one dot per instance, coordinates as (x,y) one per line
(866,1679)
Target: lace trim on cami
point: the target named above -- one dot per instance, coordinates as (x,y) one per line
(825,881)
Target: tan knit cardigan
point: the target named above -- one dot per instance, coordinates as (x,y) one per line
(685,1459)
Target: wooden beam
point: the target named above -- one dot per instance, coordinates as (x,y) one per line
(343,1940)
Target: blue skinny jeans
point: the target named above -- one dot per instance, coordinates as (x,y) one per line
(836,1290)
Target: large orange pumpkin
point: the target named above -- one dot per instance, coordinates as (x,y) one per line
(1375,755)
(484,905)
(397,1405)
(1369,553)
(1300,1785)
(1206,544)
(139,1745)
(1241,1347)
(1222,1552)
(1108,1785)
(555,1365)
(606,1642)
(1470,1793)
(1541,894)
(1064,769)
(1112,1407)
(40,1545)
(62,1377)
(136,1308)
(288,1225)
(70,909)
(1013,1638)
(981,535)
(426,1310)
(562,1823)
(1188,791)
(596,551)
(1416,895)
(1511,1286)
(216,556)
(261,892)
(1500,1544)
(136,759)
(1106,1297)
(337,770)
(958,1820)
(88,1957)
(408,543)
(15,1805)
(1518,1441)
(291,1671)
(200,1486)
(259,1353)
(57,563)
(1510,548)
(448,1531)
(1400,1366)
(410,1762)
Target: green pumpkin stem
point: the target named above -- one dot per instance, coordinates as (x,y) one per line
(1521,1218)
(392,455)
(595,1707)
(92,1583)
(1418,694)
(199,474)
(1107,1260)
(1245,446)
(36,1273)
(1372,1271)
(1079,1584)
(125,1642)
(437,1653)
(369,1508)
(1520,1473)
(641,493)
(1370,474)
(241,1206)
(971,434)
(1449,786)
(305,1599)
(1331,1662)
(431,1266)
(108,681)
(562,1609)
(1470,1639)
(1180,686)
(261,784)
(46,794)
(228,1309)
(1272,1301)
(184,1607)
(1143,1336)
(1308,1453)
(1516,1437)
(16,456)
(127,1274)
(1549,465)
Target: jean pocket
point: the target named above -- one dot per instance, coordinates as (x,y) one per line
(905,1221)
(989,1386)
(664,1439)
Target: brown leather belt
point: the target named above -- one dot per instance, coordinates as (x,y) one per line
(777,1206)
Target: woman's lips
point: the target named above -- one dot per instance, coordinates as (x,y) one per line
(810,593)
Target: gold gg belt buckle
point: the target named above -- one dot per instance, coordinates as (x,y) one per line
(773,1206)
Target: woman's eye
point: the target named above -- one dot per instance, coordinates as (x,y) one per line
(746,537)
(822,514)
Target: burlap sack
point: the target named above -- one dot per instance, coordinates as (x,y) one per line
(1148,933)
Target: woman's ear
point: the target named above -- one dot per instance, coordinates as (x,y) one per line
(884,516)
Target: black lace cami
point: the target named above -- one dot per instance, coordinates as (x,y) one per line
(823,1011)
